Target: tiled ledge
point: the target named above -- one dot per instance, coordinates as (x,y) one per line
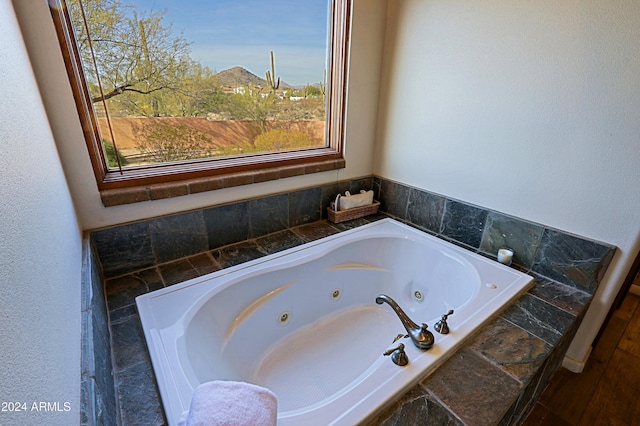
(493,379)
(501,372)
(116,197)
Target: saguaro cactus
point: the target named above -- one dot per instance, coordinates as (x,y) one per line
(271,76)
(323,85)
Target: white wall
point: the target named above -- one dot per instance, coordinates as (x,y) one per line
(40,251)
(528,108)
(367,41)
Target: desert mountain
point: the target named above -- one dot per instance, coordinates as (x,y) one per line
(238,76)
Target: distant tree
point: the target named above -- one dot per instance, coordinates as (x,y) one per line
(311,91)
(254,105)
(142,65)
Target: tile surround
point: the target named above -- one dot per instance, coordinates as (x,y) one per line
(512,357)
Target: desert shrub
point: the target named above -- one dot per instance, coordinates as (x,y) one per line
(110,152)
(282,140)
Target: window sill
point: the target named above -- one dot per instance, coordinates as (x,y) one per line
(137,194)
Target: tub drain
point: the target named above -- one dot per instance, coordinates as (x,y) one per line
(417,294)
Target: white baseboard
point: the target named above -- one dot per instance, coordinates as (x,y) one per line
(576,366)
(635,289)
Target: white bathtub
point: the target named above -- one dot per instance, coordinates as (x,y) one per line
(304,322)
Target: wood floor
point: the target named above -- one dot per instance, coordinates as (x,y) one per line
(607,392)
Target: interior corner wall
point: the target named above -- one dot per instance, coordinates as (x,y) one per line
(527,108)
(40,253)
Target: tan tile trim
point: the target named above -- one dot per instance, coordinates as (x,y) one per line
(121,196)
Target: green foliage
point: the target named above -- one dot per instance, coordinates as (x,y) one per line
(144,68)
(311,91)
(252,105)
(110,152)
(282,140)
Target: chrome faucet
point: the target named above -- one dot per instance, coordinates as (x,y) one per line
(420,336)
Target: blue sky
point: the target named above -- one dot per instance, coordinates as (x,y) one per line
(226,33)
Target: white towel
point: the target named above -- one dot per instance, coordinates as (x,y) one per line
(348,201)
(226,403)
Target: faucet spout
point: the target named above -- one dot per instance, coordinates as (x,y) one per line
(420,336)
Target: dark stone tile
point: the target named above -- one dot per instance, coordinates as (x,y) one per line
(572,260)
(88,395)
(362,184)
(315,231)
(227,224)
(415,407)
(304,206)
(138,396)
(350,224)
(86,342)
(124,248)
(514,350)
(122,291)
(329,193)
(177,272)
(540,318)
(463,222)
(119,314)
(204,263)
(87,289)
(375,217)
(101,367)
(477,391)
(506,231)
(524,402)
(377,187)
(279,241)
(563,296)
(93,291)
(393,198)
(268,214)
(177,236)
(237,253)
(425,209)
(129,346)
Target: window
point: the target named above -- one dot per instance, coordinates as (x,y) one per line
(169,91)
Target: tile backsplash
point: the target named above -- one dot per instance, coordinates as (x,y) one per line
(564,257)
(570,259)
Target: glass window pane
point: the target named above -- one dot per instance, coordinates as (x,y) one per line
(175,81)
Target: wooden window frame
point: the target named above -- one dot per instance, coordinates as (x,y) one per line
(138,176)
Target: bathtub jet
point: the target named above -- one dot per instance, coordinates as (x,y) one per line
(304,324)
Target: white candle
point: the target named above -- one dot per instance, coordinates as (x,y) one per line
(505,256)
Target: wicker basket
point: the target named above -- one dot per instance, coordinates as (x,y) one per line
(354,213)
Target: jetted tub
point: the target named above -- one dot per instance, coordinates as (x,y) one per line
(304,322)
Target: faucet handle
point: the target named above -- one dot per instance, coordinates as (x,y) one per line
(400,336)
(441,326)
(398,355)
